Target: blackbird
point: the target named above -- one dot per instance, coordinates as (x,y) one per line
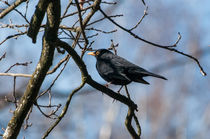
(117,70)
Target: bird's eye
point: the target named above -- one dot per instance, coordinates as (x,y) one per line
(97,52)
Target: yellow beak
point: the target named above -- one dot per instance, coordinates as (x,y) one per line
(91,53)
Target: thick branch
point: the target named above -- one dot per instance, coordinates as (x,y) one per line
(128,124)
(128,120)
(38,76)
(90,81)
(37,18)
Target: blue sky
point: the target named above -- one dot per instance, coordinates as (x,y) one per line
(183,101)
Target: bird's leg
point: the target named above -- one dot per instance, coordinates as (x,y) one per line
(120,89)
(126,90)
(107,84)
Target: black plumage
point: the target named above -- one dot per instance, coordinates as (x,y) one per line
(117,70)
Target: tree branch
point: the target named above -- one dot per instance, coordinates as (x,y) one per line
(10,8)
(136,36)
(81,24)
(37,18)
(128,120)
(60,117)
(169,47)
(90,81)
(27,100)
(128,124)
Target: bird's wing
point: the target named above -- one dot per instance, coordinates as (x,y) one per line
(121,62)
(138,70)
(107,69)
(131,70)
(142,72)
(121,66)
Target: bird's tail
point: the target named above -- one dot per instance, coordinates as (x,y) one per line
(155,75)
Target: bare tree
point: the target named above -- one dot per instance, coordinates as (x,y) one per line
(53,39)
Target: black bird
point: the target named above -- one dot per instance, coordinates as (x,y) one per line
(117,70)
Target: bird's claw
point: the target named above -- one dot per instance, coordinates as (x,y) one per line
(107,84)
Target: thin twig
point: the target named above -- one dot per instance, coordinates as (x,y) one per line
(113,47)
(30,75)
(131,33)
(145,13)
(91,36)
(110,3)
(47,115)
(67,7)
(179,61)
(81,24)
(3,56)
(13,36)
(168,47)
(27,124)
(11,26)
(76,39)
(11,7)
(50,97)
(18,64)
(102,31)
(16,75)
(17,10)
(71,14)
(48,89)
(58,65)
(65,108)
(111,16)
(26,11)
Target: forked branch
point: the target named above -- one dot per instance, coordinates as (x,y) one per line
(167,47)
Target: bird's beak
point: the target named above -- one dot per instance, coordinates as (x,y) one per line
(92,53)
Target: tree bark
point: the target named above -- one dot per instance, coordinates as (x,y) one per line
(34,84)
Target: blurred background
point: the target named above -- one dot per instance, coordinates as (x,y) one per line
(178,108)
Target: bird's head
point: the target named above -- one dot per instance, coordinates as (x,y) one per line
(101,54)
